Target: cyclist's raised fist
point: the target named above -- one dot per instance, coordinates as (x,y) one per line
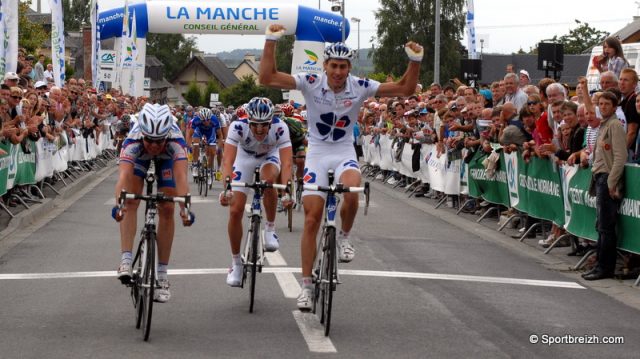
(274,32)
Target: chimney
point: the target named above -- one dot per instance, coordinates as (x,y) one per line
(39,7)
(250,57)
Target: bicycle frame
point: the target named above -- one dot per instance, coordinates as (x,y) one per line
(253,255)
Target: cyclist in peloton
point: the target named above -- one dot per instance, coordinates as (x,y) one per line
(333,99)
(155,137)
(256,141)
(298,138)
(206,125)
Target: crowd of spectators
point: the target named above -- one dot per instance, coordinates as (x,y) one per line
(536,119)
(32,107)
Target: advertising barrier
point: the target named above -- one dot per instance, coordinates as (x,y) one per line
(539,188)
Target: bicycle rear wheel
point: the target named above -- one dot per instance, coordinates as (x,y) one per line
(329,282)
(148,284)
(253,259)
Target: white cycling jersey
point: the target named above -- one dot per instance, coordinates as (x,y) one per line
(240,135)
(331,116)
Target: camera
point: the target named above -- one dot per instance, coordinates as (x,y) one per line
(336,6)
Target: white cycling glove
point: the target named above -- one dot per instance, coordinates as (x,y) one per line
(414,56)
(273,36)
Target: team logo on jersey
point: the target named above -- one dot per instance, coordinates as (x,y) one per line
(311,78)
(279,133)
(348,103)
(273,159)
(238,129)
(351,163)
(330,127)
(308,177)
(166,174)
(235,175)
(363,82)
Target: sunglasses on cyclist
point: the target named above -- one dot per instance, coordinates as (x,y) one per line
(154,141)
(259,125)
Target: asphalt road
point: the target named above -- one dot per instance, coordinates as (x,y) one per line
(424,283)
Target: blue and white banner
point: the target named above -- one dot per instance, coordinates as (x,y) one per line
(471,31)
(95,43)
(9,13)
(57,42)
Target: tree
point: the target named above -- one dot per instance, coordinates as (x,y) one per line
(173,50)
(580,39)
(247,89)
(193,95)
(284,53)
(417,23)
(76,14)
(241,92)
(212,87)
(31,36)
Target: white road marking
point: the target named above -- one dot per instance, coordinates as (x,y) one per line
(290,270)
(313,333)
(275,259)
(288,283)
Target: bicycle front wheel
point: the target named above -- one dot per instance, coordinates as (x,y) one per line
(329,281)
(148,284)
(253,259)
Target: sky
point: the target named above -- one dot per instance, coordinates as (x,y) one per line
(506,26)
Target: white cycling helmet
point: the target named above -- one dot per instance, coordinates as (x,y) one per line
(340,51)
(155,121)
(260,110)
(205,113)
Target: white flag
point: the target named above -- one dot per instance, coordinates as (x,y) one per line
(133,41)
(95,43)
(9,58)
(57,42)
(124,53)
(471,30)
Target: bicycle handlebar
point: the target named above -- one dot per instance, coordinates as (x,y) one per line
(340,188)
(262,185)
(157,197)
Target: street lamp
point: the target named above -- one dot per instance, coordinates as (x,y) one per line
(357,21)
(338,6)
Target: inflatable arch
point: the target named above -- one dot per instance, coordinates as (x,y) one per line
(311,27)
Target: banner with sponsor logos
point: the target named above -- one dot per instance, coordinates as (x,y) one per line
(492,187)
(544,192)
(583,206)
(307,57)
(57,42)
(629,211)
(21,167)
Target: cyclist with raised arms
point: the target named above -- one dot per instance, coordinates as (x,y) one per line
(333,99)
(206,125)
(155,137)
(263,141)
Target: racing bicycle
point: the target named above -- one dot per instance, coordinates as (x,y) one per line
(143,281)
(325,269)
